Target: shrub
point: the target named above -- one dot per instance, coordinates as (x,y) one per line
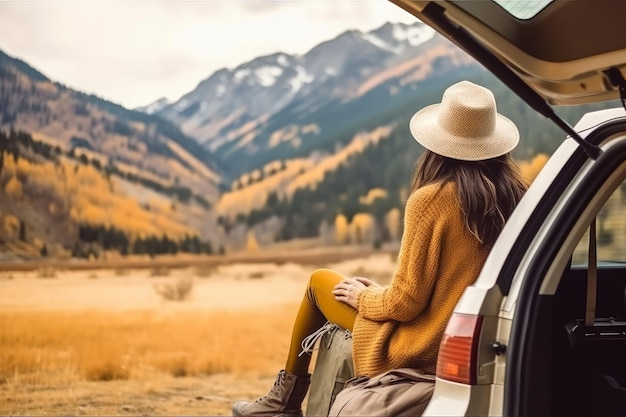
(176,365)
(204,271)
(47,273)
(106,371)
(121,272)
(159,271)
(257,275)
(179,290)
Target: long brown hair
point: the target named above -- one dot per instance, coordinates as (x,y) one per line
(487,190)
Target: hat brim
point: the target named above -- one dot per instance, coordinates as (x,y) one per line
(426,131)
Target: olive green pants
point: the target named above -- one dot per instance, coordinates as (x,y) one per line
(318,306)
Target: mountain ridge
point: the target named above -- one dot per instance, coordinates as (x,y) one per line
(32,102)
(246,111)
(282,147)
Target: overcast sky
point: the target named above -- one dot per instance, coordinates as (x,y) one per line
(134,52)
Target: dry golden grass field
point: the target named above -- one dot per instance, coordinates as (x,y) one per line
(109,342)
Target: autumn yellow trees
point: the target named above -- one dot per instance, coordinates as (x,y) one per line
(339,197)
(13,187)
(530,169)
(363,228)
(80,194)
(341,230)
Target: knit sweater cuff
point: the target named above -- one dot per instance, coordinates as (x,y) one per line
(371,305)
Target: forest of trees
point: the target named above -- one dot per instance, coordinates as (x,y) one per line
(48,176)
(386,165)
(12,139)
(303,212)
(110,238)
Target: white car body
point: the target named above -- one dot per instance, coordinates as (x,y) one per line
(541,332)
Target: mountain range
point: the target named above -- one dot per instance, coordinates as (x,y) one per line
(282,105)
(279,147)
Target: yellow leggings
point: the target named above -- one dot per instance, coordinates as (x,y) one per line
(318,306)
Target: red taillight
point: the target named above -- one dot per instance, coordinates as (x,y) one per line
(458,352)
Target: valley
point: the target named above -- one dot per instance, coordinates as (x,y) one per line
(279,149)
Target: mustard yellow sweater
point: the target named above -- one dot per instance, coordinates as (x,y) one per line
(401,325)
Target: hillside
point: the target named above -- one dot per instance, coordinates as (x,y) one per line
(284,106)
(327,164)
(61,205)
(280,107)
(356,191)
(117,137)
(74,164)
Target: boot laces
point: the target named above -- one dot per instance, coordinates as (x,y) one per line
(276,389)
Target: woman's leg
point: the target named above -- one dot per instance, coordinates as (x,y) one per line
(318,306)
(292,383)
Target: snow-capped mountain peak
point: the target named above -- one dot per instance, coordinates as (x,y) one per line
(155,107)
(232,104)
(267,75)
(412,34)
(375,40)
(403,35)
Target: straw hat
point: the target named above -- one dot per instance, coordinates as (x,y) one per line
(465,125)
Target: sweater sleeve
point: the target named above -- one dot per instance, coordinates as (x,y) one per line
(413,281)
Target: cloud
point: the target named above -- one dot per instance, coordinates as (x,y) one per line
(133,52)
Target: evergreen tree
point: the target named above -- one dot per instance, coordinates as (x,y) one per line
(22,231)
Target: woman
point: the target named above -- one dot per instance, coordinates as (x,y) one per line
(464,188)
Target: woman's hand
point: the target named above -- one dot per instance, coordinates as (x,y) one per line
(348,290)
(366,281)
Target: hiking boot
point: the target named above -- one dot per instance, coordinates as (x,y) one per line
(284,399)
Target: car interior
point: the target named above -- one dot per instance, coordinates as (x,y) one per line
(580,369)
(588,368)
